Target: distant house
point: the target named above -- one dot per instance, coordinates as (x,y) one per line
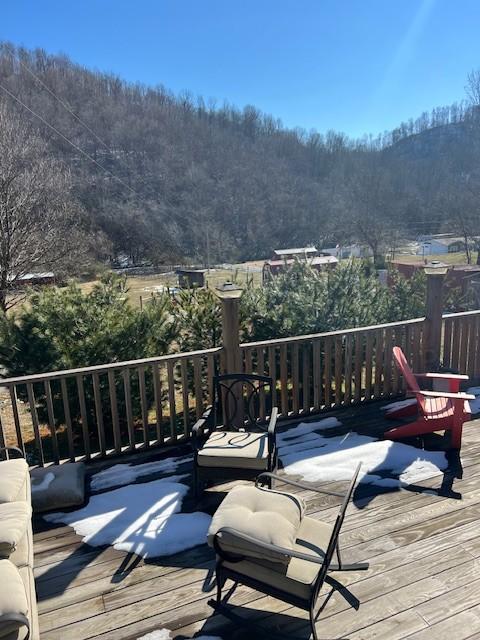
(33,279)
(458,276)
(349,251)
(442,244)
(284,258)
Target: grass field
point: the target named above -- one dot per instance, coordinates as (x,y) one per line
(141,288)
(447,258)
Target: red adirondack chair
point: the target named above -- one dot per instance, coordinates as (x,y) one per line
(436,410)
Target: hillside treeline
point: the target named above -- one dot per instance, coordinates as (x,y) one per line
(177,177)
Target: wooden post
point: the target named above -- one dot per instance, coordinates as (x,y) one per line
(231,334)
(433,321)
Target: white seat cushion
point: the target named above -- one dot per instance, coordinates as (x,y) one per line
(237,449)
(14,521)
(13,600)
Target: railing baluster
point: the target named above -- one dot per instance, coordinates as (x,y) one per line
(327,366)
(185,395)
(51,421)
(348,369)
(112,391)
(83,415)
(306,377)
(197,377)
(368,366)
(171,399)
(18,429)
(284,380)
(317,376)
(127,387)
(36,428)
(377,389)
(99,413)
(68,419)
(447,342)
(210,374)
(261,371)
(358,366)
(157,392)
(248,361)
(295,379)
(143,405)
(338,370)
(272,367)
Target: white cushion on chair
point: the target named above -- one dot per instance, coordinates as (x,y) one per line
(238,449)
(268,516)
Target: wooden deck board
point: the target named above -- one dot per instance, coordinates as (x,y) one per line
(423,549)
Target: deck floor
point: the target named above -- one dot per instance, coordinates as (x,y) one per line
(423,582)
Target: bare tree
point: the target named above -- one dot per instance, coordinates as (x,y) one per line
(39,220)
(472,88)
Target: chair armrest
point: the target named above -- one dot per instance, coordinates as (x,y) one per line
(288,553)
(16,618)
(198,429)
(442,376)
(300,485)
(16,449)
(445,394)
(272,426)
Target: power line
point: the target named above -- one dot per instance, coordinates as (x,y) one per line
(62,102)
(59,133)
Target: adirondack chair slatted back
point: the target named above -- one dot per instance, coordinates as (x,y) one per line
(407,373)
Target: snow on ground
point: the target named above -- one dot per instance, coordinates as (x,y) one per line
(475,404)
(320,458)
(141,518)
(401,404)
(122,474)
(164,634)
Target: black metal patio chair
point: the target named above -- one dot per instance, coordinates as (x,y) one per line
(264,540)
(236,438)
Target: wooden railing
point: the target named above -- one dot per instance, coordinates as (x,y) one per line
(121,407)
(322,371)
(107,409)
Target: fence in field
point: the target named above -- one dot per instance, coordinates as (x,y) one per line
(117,408)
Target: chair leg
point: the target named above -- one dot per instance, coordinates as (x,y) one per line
(312,622)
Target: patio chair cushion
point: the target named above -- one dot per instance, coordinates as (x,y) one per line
(14,522)
(268,516)
(14,481)
(238,449)
(66,489)
(298,576)
(13,600)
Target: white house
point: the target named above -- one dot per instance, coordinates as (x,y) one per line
(441,244)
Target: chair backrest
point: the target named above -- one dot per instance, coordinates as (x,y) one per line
(332,545)
(407,373)
(242,400)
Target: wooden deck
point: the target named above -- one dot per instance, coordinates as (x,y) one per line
(423,582)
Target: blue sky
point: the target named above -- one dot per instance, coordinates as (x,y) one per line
(358,66)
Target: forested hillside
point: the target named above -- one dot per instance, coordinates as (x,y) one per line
(173,177)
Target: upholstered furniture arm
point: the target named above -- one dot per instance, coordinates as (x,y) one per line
(16,618)
(294,483)
(16,449)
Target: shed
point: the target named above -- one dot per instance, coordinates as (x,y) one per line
(191,278)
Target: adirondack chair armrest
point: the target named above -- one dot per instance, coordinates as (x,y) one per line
(445,394)
(442,376)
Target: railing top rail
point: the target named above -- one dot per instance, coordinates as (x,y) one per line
(54,375)
(462,314)
(327,334)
